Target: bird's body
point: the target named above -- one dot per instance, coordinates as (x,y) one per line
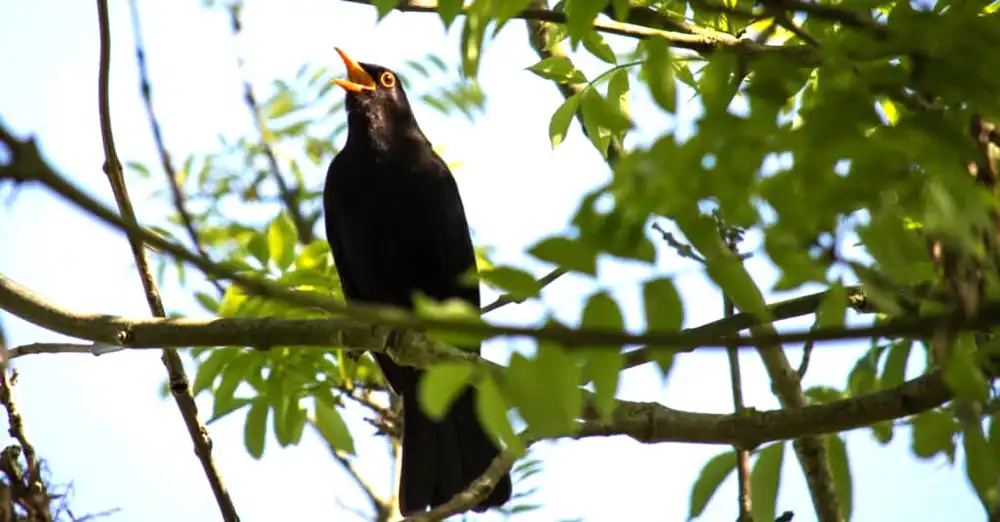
(396,225)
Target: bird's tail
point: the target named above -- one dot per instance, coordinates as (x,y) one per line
(440,459)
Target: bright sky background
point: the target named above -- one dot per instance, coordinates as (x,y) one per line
(100,422)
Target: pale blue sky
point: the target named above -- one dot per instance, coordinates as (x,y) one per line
(100,422)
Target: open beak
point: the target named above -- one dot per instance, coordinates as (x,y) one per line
(358,79)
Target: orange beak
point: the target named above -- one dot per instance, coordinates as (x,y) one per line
(358,79)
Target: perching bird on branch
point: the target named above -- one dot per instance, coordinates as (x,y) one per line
(396,225)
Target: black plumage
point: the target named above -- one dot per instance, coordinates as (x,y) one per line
(396,225)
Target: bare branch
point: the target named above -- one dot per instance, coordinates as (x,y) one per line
(508,298)
(176,194)
(53,348)
(179,386)
(742,454)
(288,196)
(30,491)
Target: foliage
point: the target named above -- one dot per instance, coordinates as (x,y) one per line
(827,127)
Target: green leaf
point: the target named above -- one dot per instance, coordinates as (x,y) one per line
(863,378)
(567,253)
(823,394)
(473,31)
(211,367)
(331,426)
(933,433)
(515,282)
(895,363)
(765,479)
(602,364)
(602,119)
(594,43)
(725,269)
(492,410)
(315,255)
(281,239)
(139,168)
(505,10)
(621,9)
(559,69)
(580,16)
(280,104)
(258,247)
(962,373)
(561,118)
(224,401)
(981,465)
(618,90)
(448,10)
(664,313)
(883,431)
(546,390)
(255,429)
(712,475)
(207,302)
(832,307)
(441,385)
(384,6)
(658,73)
(840,468)
(294,423)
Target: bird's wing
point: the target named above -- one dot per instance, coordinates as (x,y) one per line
(447,251)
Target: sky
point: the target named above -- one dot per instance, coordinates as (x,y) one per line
(101,424)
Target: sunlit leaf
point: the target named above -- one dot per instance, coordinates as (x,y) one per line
(765,479)
(711,477)
(255,429)
(441,385)
(601,364)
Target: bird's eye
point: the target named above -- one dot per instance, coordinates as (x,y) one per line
(388,80)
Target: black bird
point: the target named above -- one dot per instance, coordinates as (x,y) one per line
(396,225)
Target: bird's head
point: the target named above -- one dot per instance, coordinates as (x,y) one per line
(375,98)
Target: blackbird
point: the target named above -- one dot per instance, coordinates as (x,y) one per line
(396,225)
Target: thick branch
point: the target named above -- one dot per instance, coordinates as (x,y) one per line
(180,388)
(646,422)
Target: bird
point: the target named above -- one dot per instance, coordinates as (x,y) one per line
(396,225)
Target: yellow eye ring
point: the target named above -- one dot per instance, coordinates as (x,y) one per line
(388,80)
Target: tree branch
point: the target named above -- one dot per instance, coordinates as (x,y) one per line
(179,386)
(176,194)
(31,491)
(288,196)
(704,41)
(645,422)
(742,454)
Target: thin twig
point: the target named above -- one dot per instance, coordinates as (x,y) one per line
(288,196)
(742,454)
(472,495)
(176,193)
(52,348)
(179,385)
(510,298)
(34,494)
(380,506)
